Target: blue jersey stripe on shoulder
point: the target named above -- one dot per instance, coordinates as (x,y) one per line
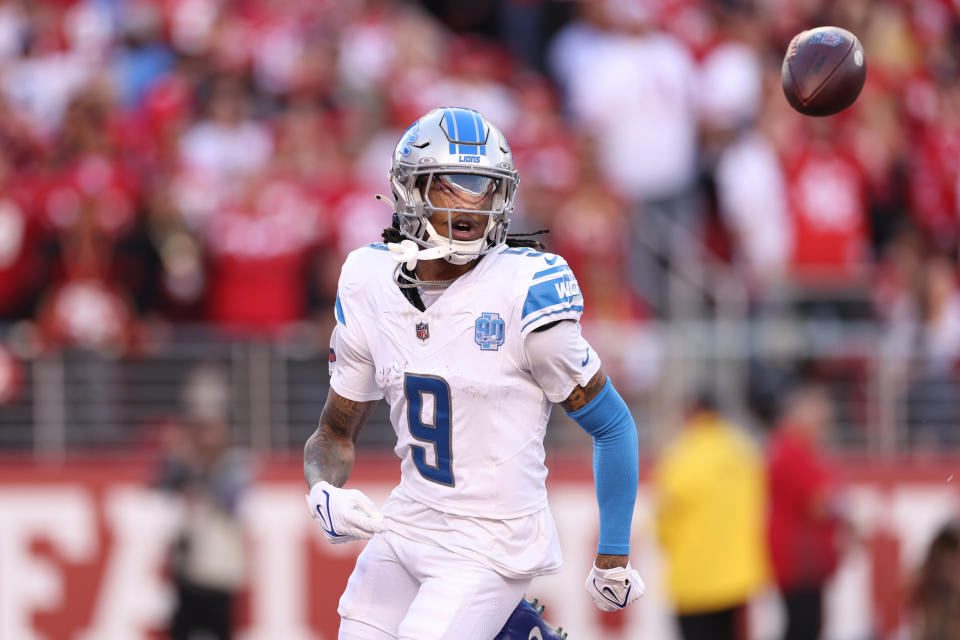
(578,308)
(379,246)
(547,272)
(540,296)
(556,291)
(338,309)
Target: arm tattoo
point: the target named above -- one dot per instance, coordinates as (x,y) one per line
(329,452)
(610,562)
(580,396)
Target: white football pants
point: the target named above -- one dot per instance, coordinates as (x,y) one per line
(414,591)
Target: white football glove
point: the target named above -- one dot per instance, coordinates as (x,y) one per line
(344,515)
(614,589)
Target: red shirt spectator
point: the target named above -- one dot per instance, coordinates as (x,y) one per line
(801,538)
(804,516)
(802,529)
(258,252)
(827,197)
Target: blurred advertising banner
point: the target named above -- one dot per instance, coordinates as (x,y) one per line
(84,546)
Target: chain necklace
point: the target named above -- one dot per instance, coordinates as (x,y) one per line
(404,281)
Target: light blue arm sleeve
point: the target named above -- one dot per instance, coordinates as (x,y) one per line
(616,465)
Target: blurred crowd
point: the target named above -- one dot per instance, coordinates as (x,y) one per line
(203,160)
(212,161)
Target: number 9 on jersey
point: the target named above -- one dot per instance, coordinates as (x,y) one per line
(437,432)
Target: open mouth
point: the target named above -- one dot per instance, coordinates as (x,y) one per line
(465,228)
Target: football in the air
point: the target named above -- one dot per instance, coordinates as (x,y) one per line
(823,71)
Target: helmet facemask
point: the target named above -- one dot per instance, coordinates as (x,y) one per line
(447,205)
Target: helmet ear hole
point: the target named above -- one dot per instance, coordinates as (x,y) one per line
(421,185)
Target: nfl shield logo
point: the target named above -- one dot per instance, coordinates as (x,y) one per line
(423,331)
(830,38)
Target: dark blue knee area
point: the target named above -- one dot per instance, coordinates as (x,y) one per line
(524,619)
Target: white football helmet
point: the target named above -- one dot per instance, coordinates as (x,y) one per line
(460,147)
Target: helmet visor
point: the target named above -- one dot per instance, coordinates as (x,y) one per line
(469,183)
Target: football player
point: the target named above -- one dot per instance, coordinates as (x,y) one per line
(470,335)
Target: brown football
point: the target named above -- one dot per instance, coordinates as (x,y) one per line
(823,71)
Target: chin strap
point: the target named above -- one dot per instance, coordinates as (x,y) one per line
(408,252)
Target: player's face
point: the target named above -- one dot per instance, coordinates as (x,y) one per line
(460,191)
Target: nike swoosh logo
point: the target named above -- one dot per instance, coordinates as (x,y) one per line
(612,597)
(326,522)
(587,359)
(550,261)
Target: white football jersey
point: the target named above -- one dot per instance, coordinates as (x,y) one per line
(469,416)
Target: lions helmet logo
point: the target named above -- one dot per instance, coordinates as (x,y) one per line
(409,137)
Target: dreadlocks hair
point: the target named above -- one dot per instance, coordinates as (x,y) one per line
(527,239)
(392,234)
